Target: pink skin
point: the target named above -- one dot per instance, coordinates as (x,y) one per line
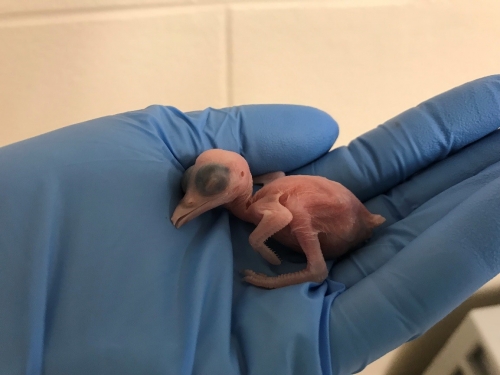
(309,214)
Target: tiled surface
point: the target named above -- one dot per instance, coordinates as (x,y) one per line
(66,69)
(363,65)
(301,3)
(363,61)
(16,6)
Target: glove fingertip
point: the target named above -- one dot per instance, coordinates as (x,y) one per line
(284,137)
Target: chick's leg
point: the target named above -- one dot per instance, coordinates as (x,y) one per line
(316,270)
(274,218)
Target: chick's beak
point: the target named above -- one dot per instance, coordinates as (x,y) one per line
(190,208)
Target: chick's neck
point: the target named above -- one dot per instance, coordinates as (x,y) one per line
(239,206)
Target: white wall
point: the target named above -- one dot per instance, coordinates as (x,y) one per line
(363,61)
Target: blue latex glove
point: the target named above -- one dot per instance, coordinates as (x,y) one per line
(434,173)
(94,279)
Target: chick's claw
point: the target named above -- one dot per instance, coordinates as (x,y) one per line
(253,273)
(258,279)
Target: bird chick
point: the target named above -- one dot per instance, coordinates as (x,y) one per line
(308,214)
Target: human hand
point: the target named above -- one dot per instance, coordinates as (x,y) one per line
(434,173)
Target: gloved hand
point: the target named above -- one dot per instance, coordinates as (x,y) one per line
(95,279)
(434,173)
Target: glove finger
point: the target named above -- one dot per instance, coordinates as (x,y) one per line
(270,137)
(386,156)
(418,203)
(420,285)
